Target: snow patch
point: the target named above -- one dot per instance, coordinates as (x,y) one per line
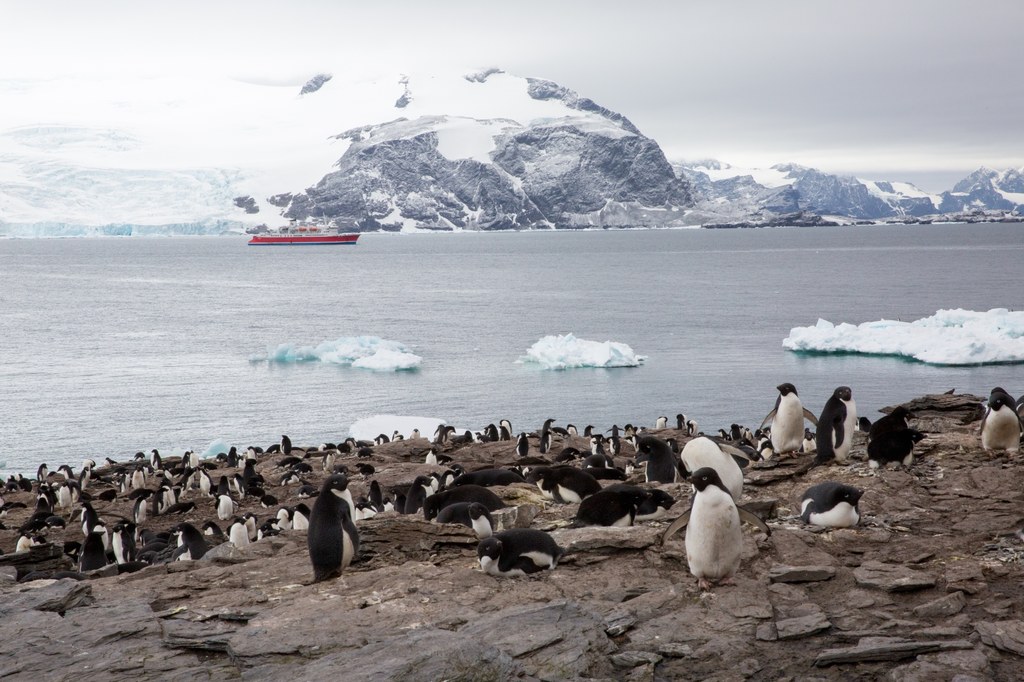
(949,337)
(365,352)
(566,351)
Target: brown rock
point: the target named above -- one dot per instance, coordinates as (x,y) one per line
(891,578)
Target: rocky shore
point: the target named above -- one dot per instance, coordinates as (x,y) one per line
(926,587)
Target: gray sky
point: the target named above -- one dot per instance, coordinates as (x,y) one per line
(918,90)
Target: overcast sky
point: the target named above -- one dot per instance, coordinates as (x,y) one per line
(918,90)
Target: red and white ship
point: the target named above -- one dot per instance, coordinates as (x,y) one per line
(303,234)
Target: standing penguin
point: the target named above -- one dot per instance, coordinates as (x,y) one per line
(714,540)
(93,553)
(662,463)
(893,446)
(545,436)
(522,445)
(332,536)
(836,426)
(787,420)
(1001,425)
(194,542)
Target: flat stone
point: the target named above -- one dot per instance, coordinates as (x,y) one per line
(891,577)
(874,649)
(616,625)
(801,621)
(800,574)
(631,659)
(1005,635)
(949,605)
(49,595)
(767,632)
(675,650)
(596,538)
(520,516)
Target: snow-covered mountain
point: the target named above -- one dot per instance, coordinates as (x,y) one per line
(729,194)
(487,150)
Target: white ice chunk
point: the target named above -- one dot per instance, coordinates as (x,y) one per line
(566,351)
(949,337)
(366,352)
(369,428)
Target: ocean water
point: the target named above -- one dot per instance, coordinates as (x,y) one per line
(110,346)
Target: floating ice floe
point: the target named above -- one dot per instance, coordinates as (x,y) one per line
(949,337)
(366,352)
(566,351)
(369,428)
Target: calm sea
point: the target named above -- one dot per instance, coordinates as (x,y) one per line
(109,346)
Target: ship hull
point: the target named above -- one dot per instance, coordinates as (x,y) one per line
(303,239)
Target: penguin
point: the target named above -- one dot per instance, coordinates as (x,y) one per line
(864,424)
(894,421)
(489,477)
(286,445)
(714,540)
(787,418)
(504,429)
(662,463)
(194,542)
(611,507)
(94,555)
(836,426)
(518,551)
(703,452)
(545,436)
(238,534)
(416,494)
(894,446)
(807,445)
(376,496)
(691,428)
(300,517)
(332,537)
(831,505)
(564,484)
(661,423)
(572,430)
(654,506)
(212,529)
(123,542)
(1001,425)
(522,445)
(463,493)
(472,514)
(225,506)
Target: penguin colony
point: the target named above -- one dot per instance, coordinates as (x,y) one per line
(613,483)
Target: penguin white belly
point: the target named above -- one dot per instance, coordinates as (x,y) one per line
(542,559)
(1002,431)
(788,425)
(850,427)
(714,540)
(239,535)
(347,550)
(843,515)
(570,496)
(482,527)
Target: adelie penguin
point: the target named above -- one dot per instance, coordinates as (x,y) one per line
(471,514)
(332,537)
(894,446)
(518,551)
(831,505)
(836,426)
(611,507)
(564,484)
(655,506)
(662,463)
(787,420)
(433,505)
(714,540)
(191,541)
(1001,425)
(704,452)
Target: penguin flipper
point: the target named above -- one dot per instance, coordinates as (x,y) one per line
(741,457)
(838,431)
(771,415)
(677,525)
(753,519)
(809,416)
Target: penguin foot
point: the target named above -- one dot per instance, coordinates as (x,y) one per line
(727,581)
(704,584)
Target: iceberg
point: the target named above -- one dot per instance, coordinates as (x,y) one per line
(369,428)
(566,351)
(949,337)
(366,352)
(215,448)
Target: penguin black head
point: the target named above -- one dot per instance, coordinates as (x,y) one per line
(490,548)
(786,389)
(337,484)
(706,476)
(999,398)
(843,393)
(901,413)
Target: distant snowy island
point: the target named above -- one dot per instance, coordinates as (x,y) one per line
(408,152)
